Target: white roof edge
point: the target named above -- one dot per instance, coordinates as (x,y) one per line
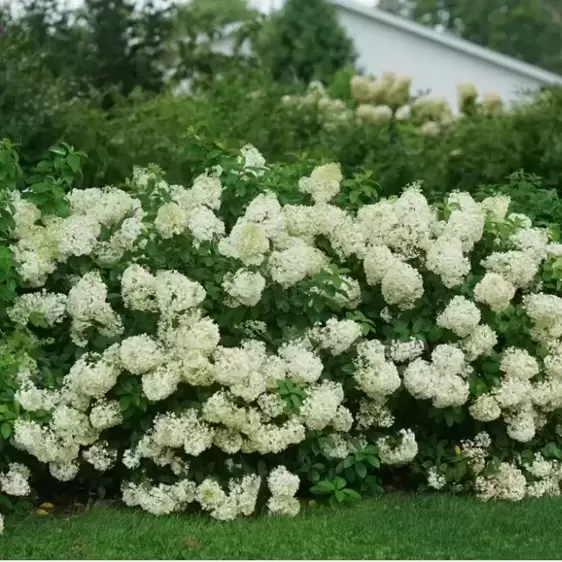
(451,41)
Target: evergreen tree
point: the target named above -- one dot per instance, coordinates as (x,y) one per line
(305,42)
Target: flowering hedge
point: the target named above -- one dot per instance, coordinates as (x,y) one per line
(271,331)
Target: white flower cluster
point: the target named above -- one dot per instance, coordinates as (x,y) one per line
(443,380)
(398,450)
(283,487)
(265,395)
(15,481)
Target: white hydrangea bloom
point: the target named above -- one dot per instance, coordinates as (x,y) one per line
(420,379)
(140,354)
(403,352)
(171,220)
(15,481)
(321,405)
(445,258)
(288,267)
(323,184)
(243,287)
(480,342)
(252,160)
(461,316)
(507,484)
(402,285)
(435,480)
(485,408)
(517,267)
(496,207)
(377,262)
(403,452)
(494,291)
(204,225)
(338,335)
(247,242)
(48,307)
(138,289)
(519,364)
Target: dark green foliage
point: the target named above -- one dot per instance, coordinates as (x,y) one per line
(305,42)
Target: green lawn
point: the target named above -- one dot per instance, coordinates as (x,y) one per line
(394,526)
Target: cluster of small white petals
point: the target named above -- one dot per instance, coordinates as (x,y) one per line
(15,481)
(323,184)
(420,379)
(402,451)
(64,471)
(137,289)
(485,408)
(283,486)
(402,285)
(247,242)
(161,499)
(93,375)
(105,414)
(252,160)
(435,480)
(531,241)
(87,306)
(321,405)
(545,311)
(405,351)
(404,225)
(374,375)
(516,267)
(494,291)
(204,225)
(108,205)
(47,307)
(508,483)
(100,456)
(466,221)
(496,207)
(244,288)
(461,316)
(338,336)
(170,220)
(480,342)
(519,364)
(301,364)
(140,354)
(175,293)
(299,261)
(374,413)
(445,258)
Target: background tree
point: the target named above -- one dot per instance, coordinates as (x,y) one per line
(201,25)
(529,30)
(305,42)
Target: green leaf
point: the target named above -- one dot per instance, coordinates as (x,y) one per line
(73,161)
(6,430)
(350,493)
(361,470)
(323,487)
(339,483)
(340,495)
(125,402)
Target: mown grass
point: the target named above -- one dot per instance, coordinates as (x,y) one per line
(391,527)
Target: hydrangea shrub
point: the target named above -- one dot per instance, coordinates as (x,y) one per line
(267,333)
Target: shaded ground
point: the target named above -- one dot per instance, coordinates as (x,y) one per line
(392,526)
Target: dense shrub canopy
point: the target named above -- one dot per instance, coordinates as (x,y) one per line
(260,333)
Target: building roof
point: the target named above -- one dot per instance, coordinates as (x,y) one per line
(450,41)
